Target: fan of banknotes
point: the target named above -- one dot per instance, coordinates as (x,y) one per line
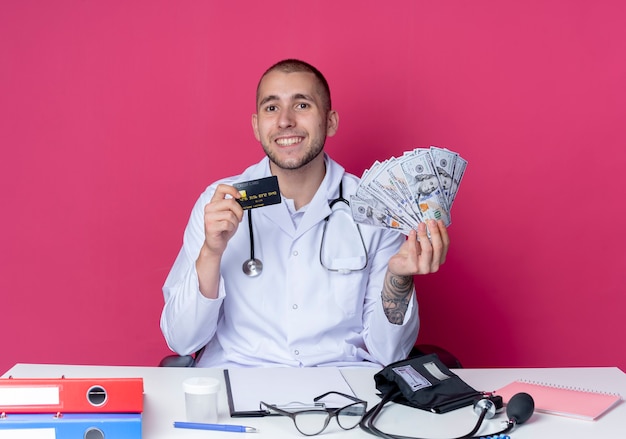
(401,192)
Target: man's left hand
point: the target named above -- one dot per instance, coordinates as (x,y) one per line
(420,255)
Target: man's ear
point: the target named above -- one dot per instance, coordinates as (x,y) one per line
(255,126)
(332,123)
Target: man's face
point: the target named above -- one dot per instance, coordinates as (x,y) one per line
(291,121)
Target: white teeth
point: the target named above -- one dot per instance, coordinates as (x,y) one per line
(288,141)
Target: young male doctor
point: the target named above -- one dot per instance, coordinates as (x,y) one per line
(295,310)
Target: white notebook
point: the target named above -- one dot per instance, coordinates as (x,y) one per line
(247,387)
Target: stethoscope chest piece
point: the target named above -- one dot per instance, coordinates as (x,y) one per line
(252,267)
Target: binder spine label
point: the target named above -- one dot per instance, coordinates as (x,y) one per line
(28,396)
(29,433)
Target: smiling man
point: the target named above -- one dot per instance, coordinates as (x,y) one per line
(294,310)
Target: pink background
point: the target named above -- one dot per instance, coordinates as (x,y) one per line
(115,115)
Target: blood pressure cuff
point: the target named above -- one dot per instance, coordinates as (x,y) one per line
(424,383)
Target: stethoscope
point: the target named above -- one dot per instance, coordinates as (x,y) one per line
(253,267)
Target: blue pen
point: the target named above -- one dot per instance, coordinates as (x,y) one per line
(215,427)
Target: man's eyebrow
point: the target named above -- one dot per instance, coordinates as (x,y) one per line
(299,96)
(267,99)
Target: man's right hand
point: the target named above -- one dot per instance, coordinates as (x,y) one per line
(222,216)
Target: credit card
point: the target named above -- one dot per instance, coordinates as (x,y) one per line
(258,193)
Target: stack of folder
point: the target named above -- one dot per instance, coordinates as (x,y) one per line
(60,408)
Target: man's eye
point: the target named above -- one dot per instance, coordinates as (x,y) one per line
(270,108)
(302,105)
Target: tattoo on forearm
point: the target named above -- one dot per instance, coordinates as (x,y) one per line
(395,296)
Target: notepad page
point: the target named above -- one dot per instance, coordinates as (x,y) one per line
(284,385)
(558,400)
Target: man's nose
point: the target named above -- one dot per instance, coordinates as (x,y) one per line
(286,118)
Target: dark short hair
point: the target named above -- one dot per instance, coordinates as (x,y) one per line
(295,65)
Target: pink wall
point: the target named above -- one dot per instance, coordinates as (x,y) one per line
(115,115)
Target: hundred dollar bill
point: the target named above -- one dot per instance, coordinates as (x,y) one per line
(457,176)
(399,180)
(399,193)
(379,205)
(424,183)
(383,183)
(444,161)
(382,198)
(364,212)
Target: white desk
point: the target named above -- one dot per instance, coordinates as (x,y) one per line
(164,403)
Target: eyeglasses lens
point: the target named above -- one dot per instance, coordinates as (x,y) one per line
(311,422)
(349,417)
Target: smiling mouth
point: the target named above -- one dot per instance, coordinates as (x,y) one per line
(288,141)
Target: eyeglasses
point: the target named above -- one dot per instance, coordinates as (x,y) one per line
(310,422)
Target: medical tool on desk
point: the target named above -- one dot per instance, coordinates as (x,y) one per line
(426,383)
(253,266)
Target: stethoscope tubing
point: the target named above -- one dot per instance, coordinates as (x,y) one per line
(253,267)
